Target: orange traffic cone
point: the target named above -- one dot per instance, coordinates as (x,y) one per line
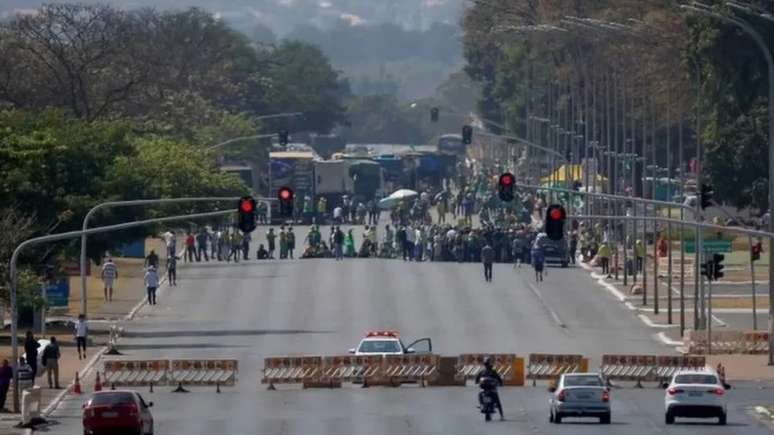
(77,385)
(97,384)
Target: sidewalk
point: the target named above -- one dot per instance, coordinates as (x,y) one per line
(738,367)
(129,292)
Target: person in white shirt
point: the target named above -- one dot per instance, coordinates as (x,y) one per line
(109,274)
(151,284)
(81,329)
(338,214)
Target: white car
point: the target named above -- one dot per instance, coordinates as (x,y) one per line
(389,343)
(697,394)
(580,395)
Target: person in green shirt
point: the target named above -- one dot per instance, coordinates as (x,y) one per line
(604,258)
(283,242)
(349,244)
(291,242)
(639,253)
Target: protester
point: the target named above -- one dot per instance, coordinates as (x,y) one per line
(31,347)
(151,284)
(81,329)
(51,355)
(6,376)
(487,258)
(109,274)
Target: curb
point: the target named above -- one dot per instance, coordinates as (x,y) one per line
(84,372)
(763,412)
(51,407)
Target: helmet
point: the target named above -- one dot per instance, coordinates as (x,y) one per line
(488,362)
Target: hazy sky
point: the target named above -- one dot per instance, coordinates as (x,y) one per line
(283,15)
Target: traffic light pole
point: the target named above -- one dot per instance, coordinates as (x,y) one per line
(65,236)
(111,204)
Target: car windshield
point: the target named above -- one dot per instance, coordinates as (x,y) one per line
(118,398)
(379,346)
(696,379)
(582,381)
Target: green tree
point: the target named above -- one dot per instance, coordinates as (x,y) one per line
(304,80)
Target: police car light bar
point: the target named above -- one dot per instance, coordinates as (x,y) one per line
(394,334)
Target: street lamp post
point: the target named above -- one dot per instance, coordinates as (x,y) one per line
(747,28)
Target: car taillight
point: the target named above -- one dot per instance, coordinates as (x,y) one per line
(605,396)
(561,396)
(673,391)
(717,391)
(132,408)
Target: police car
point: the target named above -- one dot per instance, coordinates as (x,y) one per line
(389,343)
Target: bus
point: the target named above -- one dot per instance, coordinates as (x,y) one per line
(452,144)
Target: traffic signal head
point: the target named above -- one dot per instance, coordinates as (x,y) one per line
(756,250)
(434,114)
(467,134)
(283,137)
(705,269)
(707,192)
(246,212)
(285,197)
(555,217)
(505,187)
(717,269)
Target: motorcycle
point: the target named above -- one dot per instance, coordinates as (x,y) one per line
(486,397)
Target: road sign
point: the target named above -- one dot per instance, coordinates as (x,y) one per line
(709,246)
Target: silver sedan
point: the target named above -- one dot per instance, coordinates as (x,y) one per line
(580,395)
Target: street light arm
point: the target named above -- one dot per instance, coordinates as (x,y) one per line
(238,139)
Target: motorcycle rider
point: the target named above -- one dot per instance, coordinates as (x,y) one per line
(490,372)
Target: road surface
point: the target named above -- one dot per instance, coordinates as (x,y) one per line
(252,310)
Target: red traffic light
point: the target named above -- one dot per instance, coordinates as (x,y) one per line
(285,194)
(246,205)
(507,179)
(556,214)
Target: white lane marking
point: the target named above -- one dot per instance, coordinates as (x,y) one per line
(668,341)
(646,320)
(553,314)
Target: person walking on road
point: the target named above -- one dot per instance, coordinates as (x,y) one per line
(6,375)
(31,346)
(271,239)
(573,246)
(487,257)
(246,246)
(151,284)
(81,329)
(283,241)
(604,258)
(109,274)
(171,242)
(152,259)
(51,355)
(190,247)
(201,245)
(538,261)
(292,241)
(338,244)
(172,270)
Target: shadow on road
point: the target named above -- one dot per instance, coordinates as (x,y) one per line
(222,333)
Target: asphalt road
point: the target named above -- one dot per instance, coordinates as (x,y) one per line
(252,310)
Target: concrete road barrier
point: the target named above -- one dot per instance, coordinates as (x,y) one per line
(420,368)
(291,370)
(667,366)
(221,372)
(508,366)
(122,372)
(551,366)
(637,368)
